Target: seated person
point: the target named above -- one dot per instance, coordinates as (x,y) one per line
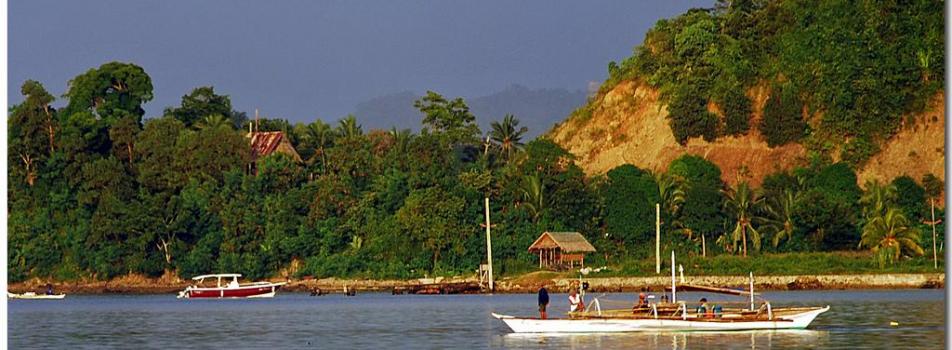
(702,309)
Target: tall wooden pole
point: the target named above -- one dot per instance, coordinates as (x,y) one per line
(935,256)
(658,239)
(703,247)
(674,287)
(489,248)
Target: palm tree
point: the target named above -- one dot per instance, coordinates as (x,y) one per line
(348,127)
(891,235)
(670,191)
(508,135)
(877,198)
(742,202)
(318,135)
(532,191)
(778,216)
(213,121)
(401,139)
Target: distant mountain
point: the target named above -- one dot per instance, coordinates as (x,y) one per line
(537,109)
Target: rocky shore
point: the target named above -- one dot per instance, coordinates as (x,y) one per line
(527,283)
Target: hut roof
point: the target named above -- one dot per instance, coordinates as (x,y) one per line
(264,143)
(569,242)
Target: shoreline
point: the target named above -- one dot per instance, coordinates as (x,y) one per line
(527,283)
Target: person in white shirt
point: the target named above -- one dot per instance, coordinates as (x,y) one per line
(575,302)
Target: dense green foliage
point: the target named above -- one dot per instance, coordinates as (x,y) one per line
(852,68)
(95,192)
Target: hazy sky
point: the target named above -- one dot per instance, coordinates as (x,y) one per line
(305,59)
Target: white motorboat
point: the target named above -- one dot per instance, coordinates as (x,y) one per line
(233,289)
(32,295)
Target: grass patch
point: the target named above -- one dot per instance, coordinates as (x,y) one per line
(820,263)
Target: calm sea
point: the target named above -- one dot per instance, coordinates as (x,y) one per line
(857,319)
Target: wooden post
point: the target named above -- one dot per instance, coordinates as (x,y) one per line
(703,247)
(489,248)
(751,291)
(658,238)
(935,256)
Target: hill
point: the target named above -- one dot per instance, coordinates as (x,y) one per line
(628,125)
(758,87)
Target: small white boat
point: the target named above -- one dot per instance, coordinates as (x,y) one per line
(232,289)
(32,295)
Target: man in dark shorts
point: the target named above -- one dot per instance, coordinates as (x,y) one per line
(543,301)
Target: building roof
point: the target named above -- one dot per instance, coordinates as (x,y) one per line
(264,143)
(569,242)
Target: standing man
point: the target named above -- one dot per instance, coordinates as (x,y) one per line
(543,301)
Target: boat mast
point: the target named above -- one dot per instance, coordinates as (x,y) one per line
(751,291)
(674,293)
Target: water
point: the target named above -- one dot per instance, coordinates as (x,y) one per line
(857,319)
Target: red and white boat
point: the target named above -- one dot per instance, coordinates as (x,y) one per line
(214,288)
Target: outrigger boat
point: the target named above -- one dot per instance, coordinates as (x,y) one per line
(230,290)
(673,316)
(32,295)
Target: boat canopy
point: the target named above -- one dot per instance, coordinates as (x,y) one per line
(219,275)
(720,290)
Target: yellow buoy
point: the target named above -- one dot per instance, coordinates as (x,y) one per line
(893,323)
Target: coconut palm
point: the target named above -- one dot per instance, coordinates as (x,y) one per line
(401,139)
(348,127)
(777,219)
(742,203)
(532,191)
(877,198)
(318,135)
(670,191)
(508,135)
(891,235)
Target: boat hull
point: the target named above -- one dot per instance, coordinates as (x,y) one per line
(612,325)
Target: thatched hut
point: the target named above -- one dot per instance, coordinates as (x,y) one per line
(561,249)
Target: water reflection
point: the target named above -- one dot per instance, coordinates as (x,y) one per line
(780,339)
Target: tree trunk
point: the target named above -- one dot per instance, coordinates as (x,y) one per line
(49,124)
(743,232)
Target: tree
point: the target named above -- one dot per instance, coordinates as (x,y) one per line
(630,194)
(318,136)
(123,137)
(348,128)
(700,212)
(433,217)
(112,91)
(31,131)
(533,194)
(670,193)
(199,104)
(778,218)
(39,100)
(891,235)
(449,117)
(742,203)
(877,199)
(782,122)
(507,135)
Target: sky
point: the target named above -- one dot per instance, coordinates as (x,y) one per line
(302,60)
